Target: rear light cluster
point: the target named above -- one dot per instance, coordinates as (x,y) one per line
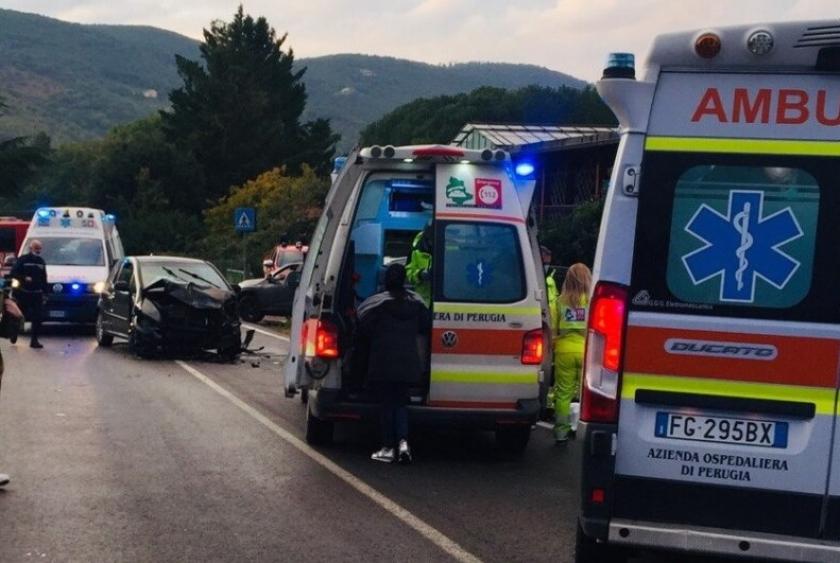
(320,339)
(533,347)
(604,353)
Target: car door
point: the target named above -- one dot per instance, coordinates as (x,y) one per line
(729,386)
(123,299)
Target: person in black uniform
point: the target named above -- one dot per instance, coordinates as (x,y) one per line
(30,271)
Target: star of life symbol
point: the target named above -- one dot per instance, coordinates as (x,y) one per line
(742,246)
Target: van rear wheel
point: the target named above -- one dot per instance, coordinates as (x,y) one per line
(588,550)
(513,439)
(318,432)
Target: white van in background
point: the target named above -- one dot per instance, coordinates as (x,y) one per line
(80,246)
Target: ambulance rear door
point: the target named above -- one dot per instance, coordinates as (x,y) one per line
(485,299)
(730,372)
(316,292)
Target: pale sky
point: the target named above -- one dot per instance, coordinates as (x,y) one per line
(572,36)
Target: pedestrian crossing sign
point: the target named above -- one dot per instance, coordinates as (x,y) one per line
(245,219)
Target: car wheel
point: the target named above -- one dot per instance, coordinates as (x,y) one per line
(249,311)
(513,439)
(318,432)
(102,338)
(137,347)
(588,550)
(229,354)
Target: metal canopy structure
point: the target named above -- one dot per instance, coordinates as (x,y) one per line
(533,138)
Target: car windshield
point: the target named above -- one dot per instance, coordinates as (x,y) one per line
(70,251)
(199,273)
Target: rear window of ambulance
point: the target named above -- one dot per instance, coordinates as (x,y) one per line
(482,263)
(736,235)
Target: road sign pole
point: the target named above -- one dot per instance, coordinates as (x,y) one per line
(244,255)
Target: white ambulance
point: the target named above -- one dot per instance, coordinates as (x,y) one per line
(713,352)
(79,247)
(486,360)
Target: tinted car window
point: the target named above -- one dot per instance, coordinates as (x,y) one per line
(482,262)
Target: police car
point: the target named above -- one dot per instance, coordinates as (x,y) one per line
(486,366)
(710,390)
(79,247)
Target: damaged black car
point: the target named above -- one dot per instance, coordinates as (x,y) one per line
(169,304)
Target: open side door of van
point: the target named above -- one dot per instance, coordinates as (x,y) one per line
(317,285)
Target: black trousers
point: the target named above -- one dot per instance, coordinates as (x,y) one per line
(393,398)
(32,303)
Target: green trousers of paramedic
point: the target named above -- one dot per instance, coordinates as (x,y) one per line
(568,365)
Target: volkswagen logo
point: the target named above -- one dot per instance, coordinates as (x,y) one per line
(58,288)
(449,339)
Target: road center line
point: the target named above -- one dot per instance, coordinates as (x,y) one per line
(265,332)
(449,546)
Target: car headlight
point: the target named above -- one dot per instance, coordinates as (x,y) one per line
(15,283)
(98,287)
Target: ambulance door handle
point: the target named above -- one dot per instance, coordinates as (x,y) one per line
(515,325)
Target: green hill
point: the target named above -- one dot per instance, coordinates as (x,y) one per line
(76,81)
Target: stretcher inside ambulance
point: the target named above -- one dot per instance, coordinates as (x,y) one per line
(484,355)
(711,378)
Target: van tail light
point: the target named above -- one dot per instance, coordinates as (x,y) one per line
(320,339)
(533,347)
(604,354)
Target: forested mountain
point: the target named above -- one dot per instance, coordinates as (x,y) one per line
(76,81)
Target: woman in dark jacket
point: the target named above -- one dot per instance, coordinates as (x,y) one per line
(389,323)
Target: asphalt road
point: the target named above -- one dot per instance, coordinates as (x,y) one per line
(114,458)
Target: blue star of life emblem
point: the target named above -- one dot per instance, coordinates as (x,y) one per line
(480,274)
(742,246)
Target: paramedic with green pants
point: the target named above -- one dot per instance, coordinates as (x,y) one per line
(419,268)
(569,342)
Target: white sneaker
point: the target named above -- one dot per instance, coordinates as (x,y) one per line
(385,455)
(404,453)
(4,479)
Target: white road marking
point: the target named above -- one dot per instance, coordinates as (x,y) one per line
(546,425)
(266,332)
(449,546)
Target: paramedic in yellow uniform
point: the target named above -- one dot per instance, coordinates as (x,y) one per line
(419,267)
(570,336)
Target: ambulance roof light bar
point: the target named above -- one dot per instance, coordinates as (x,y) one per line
(445,153)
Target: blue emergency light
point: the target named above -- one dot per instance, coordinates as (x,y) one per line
(44,213)
(339,163)
(620,65)
(75,287)
(110,218)
(524,169)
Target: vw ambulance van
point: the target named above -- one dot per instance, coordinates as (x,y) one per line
(80,246)
(711,374)
(485,355)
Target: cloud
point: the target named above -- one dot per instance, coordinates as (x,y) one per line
(572,36)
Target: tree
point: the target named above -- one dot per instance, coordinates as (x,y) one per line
(438,119)
(20,158)
(286,205)
(239,112)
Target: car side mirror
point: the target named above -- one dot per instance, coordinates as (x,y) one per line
(9,261)
(121,285)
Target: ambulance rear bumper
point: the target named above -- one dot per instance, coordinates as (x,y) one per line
(329,405)
(714,541)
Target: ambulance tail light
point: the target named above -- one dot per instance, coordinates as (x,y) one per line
(320,339)
(533,347)
(604,354)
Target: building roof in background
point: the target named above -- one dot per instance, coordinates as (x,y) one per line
(533,138)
